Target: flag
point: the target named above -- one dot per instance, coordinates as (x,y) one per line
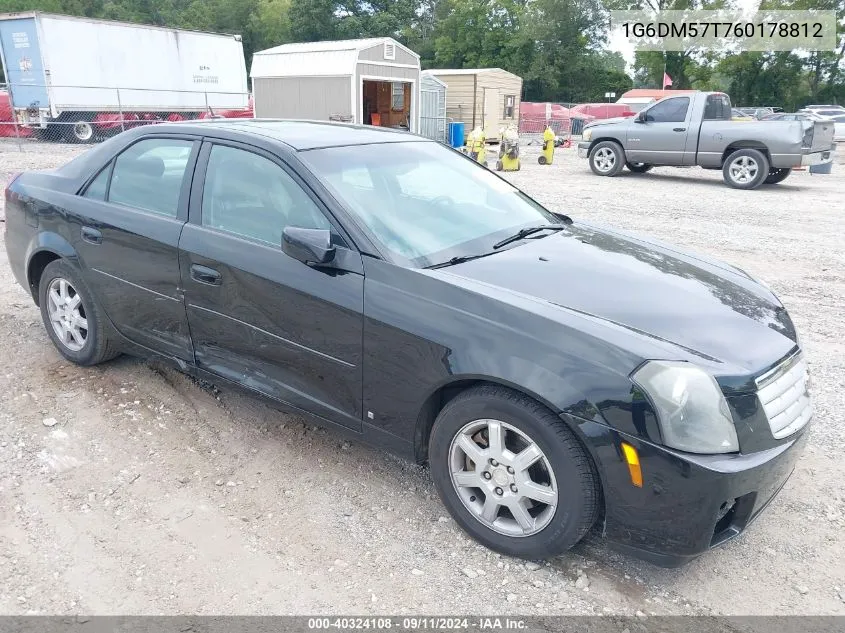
(667,80)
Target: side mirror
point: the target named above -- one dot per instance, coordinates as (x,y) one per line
(640,118)
(310,246)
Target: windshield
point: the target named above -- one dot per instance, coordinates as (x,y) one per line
(424,203)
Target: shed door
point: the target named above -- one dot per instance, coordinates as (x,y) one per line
(432,115)
(491,112)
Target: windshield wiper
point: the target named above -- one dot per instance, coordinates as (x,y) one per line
(460,260)
(522,233)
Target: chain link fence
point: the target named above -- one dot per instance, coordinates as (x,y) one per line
(31,113)
(566,129)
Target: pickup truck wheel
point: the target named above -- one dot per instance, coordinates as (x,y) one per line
(512,474)
(777,175)
(606,159)
(639,168)
(745,169)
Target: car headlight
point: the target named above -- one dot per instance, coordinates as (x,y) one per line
(587,135)
(691,409)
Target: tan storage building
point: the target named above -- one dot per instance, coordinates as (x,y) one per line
(487,97)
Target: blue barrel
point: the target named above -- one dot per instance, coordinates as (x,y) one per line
(456,134)
(824,168)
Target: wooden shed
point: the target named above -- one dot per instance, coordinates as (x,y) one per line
(487,97)
(372,81)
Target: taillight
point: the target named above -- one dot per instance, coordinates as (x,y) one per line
(10,183)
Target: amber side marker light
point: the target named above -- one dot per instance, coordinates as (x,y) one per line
(633,460)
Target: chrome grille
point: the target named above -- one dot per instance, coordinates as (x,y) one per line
(784,396)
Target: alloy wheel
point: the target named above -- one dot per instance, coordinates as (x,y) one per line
(604,159)
(743,169)
(503,478)
(67,314)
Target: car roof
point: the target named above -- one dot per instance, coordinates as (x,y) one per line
(299,135)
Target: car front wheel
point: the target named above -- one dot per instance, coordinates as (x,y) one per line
(512,474)
(74,322)
(607,159)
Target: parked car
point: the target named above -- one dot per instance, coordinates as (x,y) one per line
(787,116)
(739,115)
(696,129)
(756,113)
(822,113)
(551,372)
(839,128)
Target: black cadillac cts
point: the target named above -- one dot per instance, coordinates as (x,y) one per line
(555,375)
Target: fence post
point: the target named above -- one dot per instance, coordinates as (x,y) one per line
(120,110)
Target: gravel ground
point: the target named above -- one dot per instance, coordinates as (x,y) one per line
(130,489)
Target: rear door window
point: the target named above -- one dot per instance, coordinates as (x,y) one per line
(149,175)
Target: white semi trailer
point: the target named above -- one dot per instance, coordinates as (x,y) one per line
(85,77)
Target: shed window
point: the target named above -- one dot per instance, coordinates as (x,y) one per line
(510,105)
(397,101)
(389,50)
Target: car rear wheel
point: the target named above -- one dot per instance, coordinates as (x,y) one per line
(777,175)
(512,474)
(745,169)
(607,159)
(73,320)
(639,168)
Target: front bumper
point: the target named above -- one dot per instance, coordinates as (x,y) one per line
(688,503)
(583,149)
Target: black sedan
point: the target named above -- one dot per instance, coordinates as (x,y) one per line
(555,375)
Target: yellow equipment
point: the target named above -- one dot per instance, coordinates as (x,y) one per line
(548,153)
(508,151)
(477,146)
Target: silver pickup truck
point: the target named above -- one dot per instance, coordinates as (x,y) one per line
(695,128)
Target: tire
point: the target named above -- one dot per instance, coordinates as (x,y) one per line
(98,344)
(563,475)
(777,175)
(80,131)
(542,160)
(639,168)
(606,159)
(745,169)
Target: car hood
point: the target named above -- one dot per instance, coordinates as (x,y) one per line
(706,307)
(616,119)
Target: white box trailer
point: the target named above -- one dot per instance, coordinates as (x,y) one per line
(62,69)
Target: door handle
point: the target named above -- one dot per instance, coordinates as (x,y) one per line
(92,235)
(205,275)
(679,129)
